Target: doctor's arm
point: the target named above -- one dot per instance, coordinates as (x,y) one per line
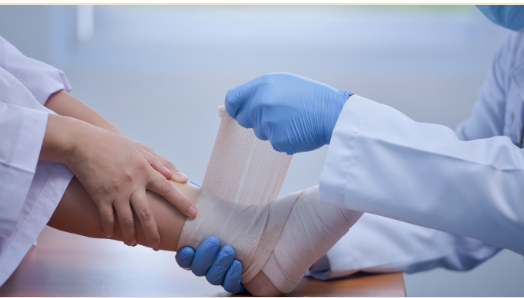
(379,245)
(467,183)
(382,162)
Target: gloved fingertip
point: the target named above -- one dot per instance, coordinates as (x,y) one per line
(242,291)
(227,251)
(243,120)
(233,102)
(211,241)
(260,134)
(232,281)
(287,150)
(205,255)
(184,257)
(218,270)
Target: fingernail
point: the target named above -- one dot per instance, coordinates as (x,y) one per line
(133,244)
(109,236)
(192,211)
(181,175)
(156,246)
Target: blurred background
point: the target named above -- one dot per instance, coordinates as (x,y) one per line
(160,72)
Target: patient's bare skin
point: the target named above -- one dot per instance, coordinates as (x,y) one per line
(76,213)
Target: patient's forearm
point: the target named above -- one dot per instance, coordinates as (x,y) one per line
(77,213)
(65,104)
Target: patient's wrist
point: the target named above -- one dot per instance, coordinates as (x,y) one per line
(58,145)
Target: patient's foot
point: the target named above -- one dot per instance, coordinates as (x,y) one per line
(277,242)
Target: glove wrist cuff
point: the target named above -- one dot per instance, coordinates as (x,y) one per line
(345,96)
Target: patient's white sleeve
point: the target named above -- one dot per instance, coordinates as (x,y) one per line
(29,190)
(39,78)
(22,132)
(382,162)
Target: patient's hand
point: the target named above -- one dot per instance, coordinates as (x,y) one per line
(173,173)
(115,172)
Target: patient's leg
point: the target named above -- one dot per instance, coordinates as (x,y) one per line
(276,242)
(77,213)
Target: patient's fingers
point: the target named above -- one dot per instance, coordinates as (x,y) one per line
(174,173)
(161,186)
(107,218)
(125,218)
(177,175)
(156,164)
(147,220)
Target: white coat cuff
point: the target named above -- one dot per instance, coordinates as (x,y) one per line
(30,141)
(47,188)
(339,159)
(20,168)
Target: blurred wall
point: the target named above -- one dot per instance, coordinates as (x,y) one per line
(159,73)
(45,33)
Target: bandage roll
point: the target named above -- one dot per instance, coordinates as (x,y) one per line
(281,238)
(242,168)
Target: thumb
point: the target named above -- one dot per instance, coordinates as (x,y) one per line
(234,101)
(237,101)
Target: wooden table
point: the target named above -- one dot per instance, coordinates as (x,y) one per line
(69,265)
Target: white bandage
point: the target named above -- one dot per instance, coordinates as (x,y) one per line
(242,168)
(281,238)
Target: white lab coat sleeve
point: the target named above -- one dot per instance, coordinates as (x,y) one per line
(22,132)
(39,78)
(378,244)
(382,162)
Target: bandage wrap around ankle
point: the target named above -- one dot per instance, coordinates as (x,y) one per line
(282,238)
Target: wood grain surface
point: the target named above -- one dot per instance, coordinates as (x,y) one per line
(64,264)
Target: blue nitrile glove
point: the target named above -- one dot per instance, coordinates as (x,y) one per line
(294,113)
(218,265)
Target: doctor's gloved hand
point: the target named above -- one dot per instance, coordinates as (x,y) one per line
(218,265)
(294,113)
(116,172)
